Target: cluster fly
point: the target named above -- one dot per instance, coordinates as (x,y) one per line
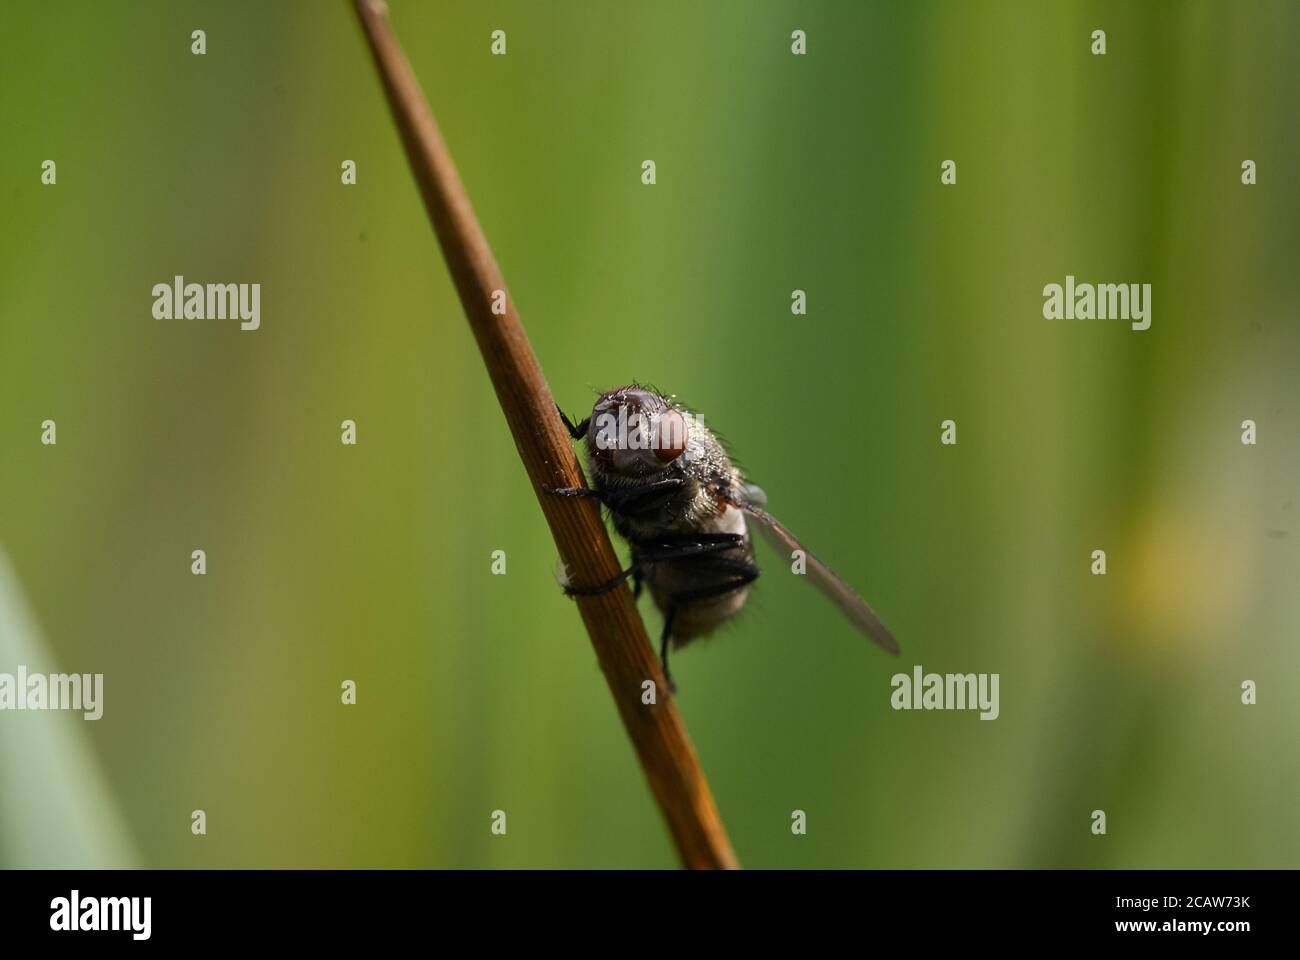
(674,495)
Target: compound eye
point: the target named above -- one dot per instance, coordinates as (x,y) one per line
(670,436)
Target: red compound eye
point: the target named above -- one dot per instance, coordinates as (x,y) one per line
(670,437)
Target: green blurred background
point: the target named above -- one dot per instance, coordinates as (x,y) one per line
(775,172)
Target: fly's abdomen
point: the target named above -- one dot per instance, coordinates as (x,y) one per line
(704,591)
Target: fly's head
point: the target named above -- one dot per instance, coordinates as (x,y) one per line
(635,434)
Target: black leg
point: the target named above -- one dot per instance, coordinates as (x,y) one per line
(635,501)
(667,548)
(576,430)
(605,587)
(664,644)
(638,581)
(643,500)
(572,492)
(744,573)
(682,545)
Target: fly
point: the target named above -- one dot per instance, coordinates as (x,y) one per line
(684,509)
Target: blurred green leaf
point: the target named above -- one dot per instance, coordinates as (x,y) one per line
(55,809)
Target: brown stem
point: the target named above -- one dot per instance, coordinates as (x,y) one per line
(616,630)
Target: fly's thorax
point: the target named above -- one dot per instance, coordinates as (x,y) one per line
(676,510)
(637,438)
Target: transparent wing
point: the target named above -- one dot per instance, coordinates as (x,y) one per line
(827,581)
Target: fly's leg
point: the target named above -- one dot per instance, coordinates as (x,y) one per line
(664,644)
(608,585)
(742,573)
(636,500)
(642,500)
(678,546)
(666,548)
(703,546)
(573,492)
(576,430)
(619,498)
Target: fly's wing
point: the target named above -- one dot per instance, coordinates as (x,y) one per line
(827,581)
